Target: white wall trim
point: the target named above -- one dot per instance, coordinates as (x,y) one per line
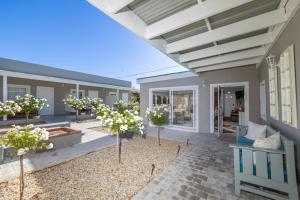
(234,84)
(195,89)
(58,80)
(166,77)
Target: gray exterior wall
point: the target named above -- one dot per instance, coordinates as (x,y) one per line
(291,35)
(60,91)
(239,74)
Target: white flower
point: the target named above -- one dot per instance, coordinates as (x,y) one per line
(30,126)
(49,146)
(21,152)
(124,127)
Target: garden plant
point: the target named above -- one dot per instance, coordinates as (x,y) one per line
(10,108)
(119,119)
(24,141)
(158,116)
(77,104)
(29,103)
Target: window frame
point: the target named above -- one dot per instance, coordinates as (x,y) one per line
(26,87)
(72,91)
(291,78)
(275,91)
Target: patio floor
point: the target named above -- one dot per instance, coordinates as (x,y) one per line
(204,171)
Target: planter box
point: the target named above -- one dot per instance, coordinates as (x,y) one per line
(1,155)
(64,137)
(81,117)
(19,121)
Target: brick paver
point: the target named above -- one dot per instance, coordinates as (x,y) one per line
(204,171)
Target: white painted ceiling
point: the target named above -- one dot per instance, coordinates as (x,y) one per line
(205,35)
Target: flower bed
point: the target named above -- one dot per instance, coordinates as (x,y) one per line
(64,137)
(98,175)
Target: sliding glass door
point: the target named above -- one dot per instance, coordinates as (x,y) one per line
(183,108)
(182,104)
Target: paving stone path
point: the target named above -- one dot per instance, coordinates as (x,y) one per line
(204,171)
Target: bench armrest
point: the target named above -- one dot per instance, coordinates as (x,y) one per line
(242,130)
(274,151)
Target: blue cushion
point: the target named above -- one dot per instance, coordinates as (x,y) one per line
(241,140)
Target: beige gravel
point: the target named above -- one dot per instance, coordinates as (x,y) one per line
(98,175)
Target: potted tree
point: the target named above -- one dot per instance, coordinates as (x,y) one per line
(8,109)
(29,103)
(77,104)
(158,116)
(119,121)
(23,141)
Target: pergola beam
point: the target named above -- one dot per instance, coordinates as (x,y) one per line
(117,5)
(230,65)
(242,27)
(260,51)
(250,42)
(190,15)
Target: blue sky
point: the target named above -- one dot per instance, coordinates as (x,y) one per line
(72,34)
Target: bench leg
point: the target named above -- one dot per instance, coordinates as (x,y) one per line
(293,194)
(237,187)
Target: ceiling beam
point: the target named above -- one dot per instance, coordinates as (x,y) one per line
(117,5)
(231,30)
(230,65)
(260,51)
(190,15)
(250,42)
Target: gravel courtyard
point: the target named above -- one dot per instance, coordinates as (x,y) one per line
(98,175)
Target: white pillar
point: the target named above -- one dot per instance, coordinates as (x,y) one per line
(4,90)
(118,94)
(77,91)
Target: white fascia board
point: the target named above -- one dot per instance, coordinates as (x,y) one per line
(230,65)
(190,15)
(166,77)
(250,42)
(117,5)
(231,30)
(58,80)
(260,51)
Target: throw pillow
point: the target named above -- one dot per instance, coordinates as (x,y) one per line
(256,131)
(271,142)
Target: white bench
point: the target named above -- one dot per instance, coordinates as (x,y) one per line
(270,173)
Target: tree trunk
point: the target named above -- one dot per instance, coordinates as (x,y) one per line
(119,147)
(158,135)
(27,117)
(77,113)
(21,178)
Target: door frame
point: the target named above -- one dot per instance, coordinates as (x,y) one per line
(37,94)
(212,98)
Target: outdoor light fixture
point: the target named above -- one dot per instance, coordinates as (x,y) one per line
(271,61)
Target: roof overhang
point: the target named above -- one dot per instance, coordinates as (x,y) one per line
(205,35)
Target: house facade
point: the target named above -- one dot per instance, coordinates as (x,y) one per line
(242,58)
(54,84)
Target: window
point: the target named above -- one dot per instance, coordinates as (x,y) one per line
(273,93)
(17,90)
(81,93)
(113,94)
(182,103)
(288,87)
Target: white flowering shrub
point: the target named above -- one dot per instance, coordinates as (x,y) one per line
(29,103)
(95,103)
(9,109)
(23,141)
(158,116)
(120,120)
(77,104)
